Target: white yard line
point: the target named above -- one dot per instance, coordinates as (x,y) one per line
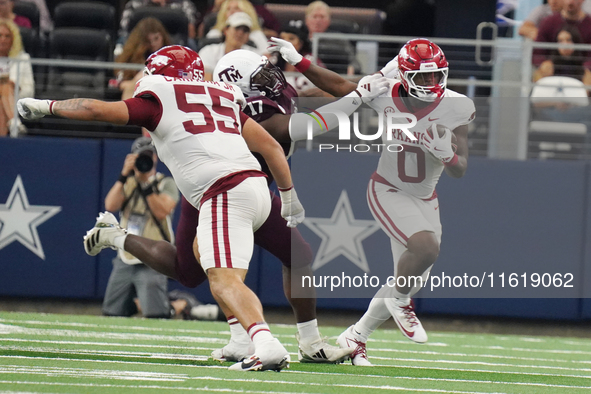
(373,350)
(136,387)
(443,379)
(203,358)
(406,366)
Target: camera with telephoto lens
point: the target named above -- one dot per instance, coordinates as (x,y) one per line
(144,162)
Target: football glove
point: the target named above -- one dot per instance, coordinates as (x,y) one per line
(31,109)
(371,86)
(291,208)
(286,49)
(440,147)
(390,70)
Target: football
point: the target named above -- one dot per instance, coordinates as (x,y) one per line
(441,131)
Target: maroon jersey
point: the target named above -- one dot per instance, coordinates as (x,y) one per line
(261,108)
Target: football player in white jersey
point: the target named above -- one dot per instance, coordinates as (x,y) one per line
(205,140)
(401,193)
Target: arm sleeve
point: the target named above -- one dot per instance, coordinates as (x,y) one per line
(144,111)
(243,118)
(324,118)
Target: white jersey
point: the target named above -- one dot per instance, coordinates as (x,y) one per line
(415,170)
(198,135)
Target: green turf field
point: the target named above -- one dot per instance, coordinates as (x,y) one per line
(44,353)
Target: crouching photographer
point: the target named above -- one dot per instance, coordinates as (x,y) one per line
(146,200)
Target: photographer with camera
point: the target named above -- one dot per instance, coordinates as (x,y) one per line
(146,200)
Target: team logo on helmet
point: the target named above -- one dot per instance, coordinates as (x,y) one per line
(230,75)
(252,73)
(175,61)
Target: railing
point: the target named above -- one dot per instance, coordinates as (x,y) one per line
(497,74)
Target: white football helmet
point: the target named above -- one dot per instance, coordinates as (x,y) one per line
(253,73)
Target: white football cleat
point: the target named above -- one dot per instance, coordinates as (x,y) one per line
(271,357)
(233,351)
(321,352)
(349,339)
(404,315)
(102,234)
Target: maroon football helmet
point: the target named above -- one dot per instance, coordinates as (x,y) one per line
(175,61)
(423,69)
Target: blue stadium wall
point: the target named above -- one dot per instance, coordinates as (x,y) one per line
(502,213)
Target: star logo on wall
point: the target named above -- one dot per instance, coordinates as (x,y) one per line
(19,220)
(342,234)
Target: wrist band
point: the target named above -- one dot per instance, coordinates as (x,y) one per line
(51,107)
(303,65)
(285,190)
(149,190)
(452,162)
(122,178)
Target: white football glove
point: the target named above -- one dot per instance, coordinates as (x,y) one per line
(440,147)
(372,86)
(286,49)
(291,208)
(390,70)
(31,109)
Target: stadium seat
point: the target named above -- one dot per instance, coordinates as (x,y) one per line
(30,10)
(175,21)
(78,44)
(30,40)
(207,41)
(337,55)
(369,20)
(91,15)
(558,139)
(209,22)
(344,26)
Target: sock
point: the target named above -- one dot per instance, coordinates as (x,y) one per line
(259,333)
(309,331)
(237,332)
(376,314)
(119,241)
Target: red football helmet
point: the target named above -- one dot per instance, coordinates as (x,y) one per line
(423,69)
(175,61)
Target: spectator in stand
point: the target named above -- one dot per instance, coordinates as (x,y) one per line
(11,47)
(45,22)
(318,21)
(317,17)
(236,34)
(565,61)
(266,20)
(572,14)
(296,32)
(230,7)
(529,28)
(187,6)
(147,37)
(6,7)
